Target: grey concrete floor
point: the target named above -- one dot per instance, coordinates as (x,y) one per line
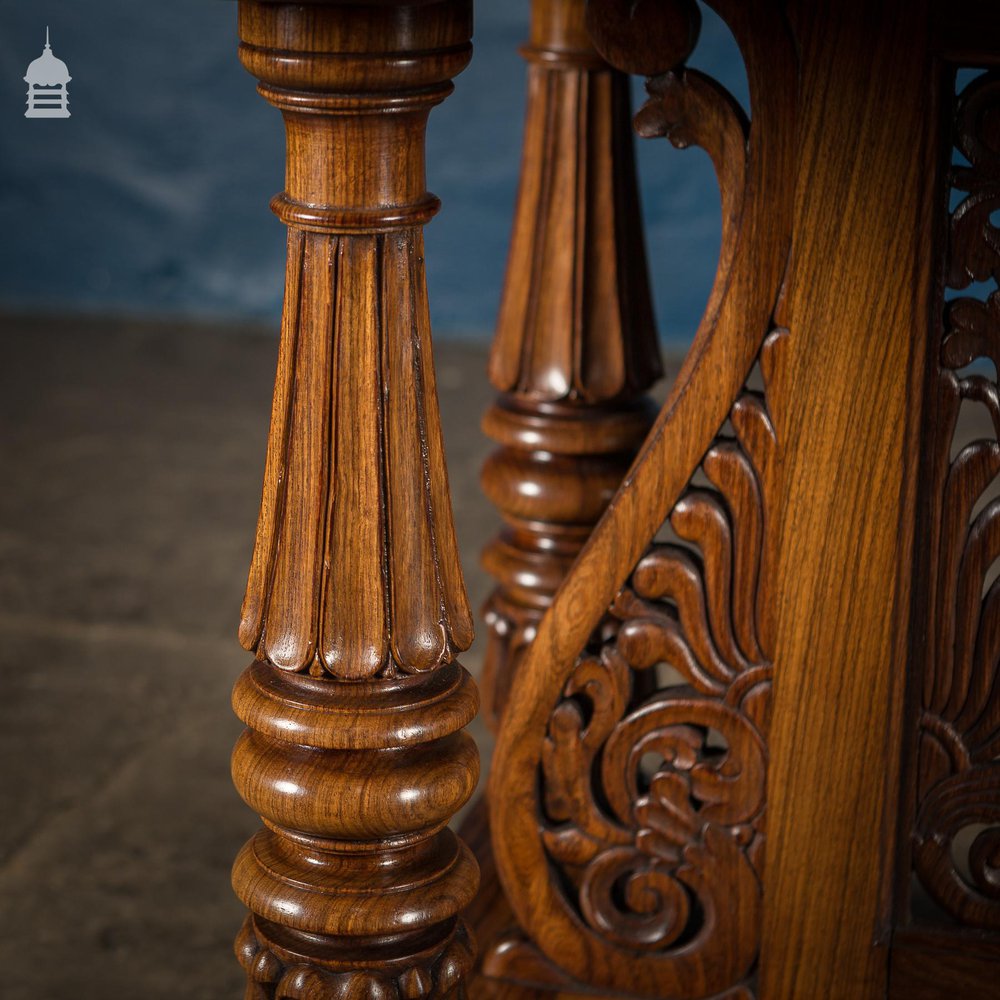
(132,457)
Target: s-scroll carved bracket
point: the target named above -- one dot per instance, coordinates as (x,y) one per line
(629,786)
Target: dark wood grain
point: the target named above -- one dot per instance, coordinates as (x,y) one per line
(355,606)
(855,300)
(952,797)
(941,964)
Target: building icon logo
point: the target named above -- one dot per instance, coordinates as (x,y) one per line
(47,79)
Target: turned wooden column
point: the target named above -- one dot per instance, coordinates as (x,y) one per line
(575,344)
(355,605)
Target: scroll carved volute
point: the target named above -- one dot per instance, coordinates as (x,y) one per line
(629,808)
(666,861)
(645,38)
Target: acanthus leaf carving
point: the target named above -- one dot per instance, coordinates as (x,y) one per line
(652,861)
(973,238)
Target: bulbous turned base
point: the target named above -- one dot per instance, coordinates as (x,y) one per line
(557,469)
(283,965)
(355,606)
(353,891)
(355,883)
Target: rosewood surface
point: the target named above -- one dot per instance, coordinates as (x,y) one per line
(743,653)
(575,343)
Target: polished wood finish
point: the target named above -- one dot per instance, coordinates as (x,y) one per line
(955,801)
(355,606)
(575,343)
(599,859)
(952,962)
(850,469)
(852,531)
(748,721)
(946,939)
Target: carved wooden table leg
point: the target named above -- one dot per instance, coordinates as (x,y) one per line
(355,605)
(575,344)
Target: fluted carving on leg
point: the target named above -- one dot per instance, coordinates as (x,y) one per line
(355,482)
(354,754)
(575,344)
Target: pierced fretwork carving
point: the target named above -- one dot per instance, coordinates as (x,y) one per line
(654,856)
(653,793)
(956,834)
(627,803)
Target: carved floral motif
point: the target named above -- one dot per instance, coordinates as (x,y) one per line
(628,799)
(956,834)
(653,857)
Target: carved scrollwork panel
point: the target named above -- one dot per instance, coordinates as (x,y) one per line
(654,805)
(955,837)
(628,795)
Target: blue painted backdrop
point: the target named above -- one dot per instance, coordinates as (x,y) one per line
(152,198)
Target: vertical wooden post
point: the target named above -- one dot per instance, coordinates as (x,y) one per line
(856,302)
(355,605)
(575,344)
